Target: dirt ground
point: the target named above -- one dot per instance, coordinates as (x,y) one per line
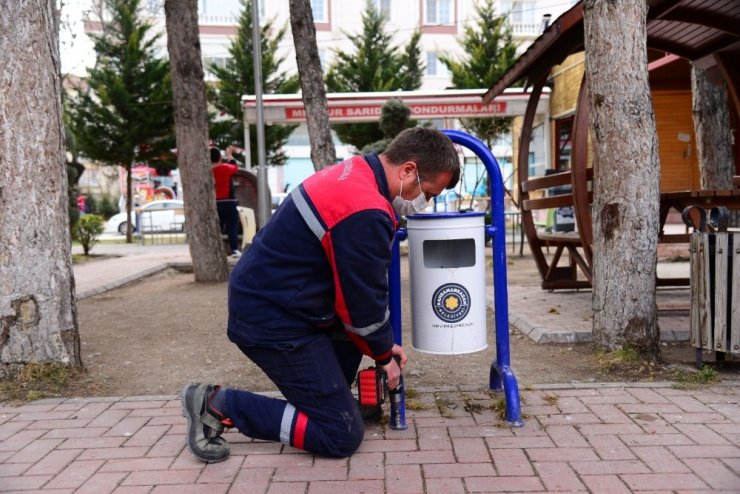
(154,336)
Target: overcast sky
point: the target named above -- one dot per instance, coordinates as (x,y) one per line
(76,49)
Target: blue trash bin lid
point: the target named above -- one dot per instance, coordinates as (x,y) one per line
(445,215)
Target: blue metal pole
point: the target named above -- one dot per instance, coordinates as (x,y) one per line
(398,404)
(501,374)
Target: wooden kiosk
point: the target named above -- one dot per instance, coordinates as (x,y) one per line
(704,32)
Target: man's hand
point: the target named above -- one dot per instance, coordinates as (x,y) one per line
(394,368)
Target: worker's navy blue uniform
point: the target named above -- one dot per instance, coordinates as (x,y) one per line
(308,298)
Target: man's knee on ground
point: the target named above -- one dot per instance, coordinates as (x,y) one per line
(347,443)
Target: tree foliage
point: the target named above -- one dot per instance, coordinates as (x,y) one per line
(489,51)
(123,112)
(236,78)
(375,64)
(313,90)
(394,118)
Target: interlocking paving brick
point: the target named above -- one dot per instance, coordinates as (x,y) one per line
(448,486)
(556,454)
(705,451)
(252,480)
(664,481)
(13,469)
(136,464)
(127,427)
(714,472)
(278,460)
(470,449)
(366,466)
(558,476)
(610,448)
(566,436)
(147,435)
(605,467)
(434,438)
(24,483)
(168,445)
(75,474)
(286,474)
(112,453)
(659,459)
(162,477)
(34,451)
(190,489)
(404,479)
(615,439)
(511,462)
(287,488)
(21,439)
(54,462)
(358,486)
(503,484)
(605,484)
(101,483)
(223,472)
(452,470)
(419,457)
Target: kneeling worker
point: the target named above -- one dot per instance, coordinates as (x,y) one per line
(310,297)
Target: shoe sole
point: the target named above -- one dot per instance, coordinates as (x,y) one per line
(193,421)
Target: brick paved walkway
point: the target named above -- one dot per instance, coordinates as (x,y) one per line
(600,439)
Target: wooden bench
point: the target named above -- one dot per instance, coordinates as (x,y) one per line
(577,274)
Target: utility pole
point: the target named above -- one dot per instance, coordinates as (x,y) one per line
(263,191)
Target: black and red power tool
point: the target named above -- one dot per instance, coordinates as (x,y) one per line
(372,390)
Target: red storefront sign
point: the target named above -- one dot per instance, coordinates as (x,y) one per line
(418,111)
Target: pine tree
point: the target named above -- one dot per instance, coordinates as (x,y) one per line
(489,51)
(374,65)
(237,78)
(124,112)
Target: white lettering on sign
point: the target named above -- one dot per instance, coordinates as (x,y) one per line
(372,112)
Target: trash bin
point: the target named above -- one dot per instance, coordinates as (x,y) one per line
(447,274)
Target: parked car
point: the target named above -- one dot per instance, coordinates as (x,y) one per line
(165,216)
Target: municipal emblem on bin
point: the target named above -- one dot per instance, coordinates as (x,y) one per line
(451,302)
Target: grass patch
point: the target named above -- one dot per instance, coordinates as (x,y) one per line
(551,400)
(443,407)
(36,381)
(411,393)
(625,358)
(686,379)
(414,404)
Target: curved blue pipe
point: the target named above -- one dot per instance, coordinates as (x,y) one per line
(501,374)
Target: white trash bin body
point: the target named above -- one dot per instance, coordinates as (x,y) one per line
(447,275)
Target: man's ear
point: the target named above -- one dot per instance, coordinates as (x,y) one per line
(409,168)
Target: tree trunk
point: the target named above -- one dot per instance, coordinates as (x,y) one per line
(626,176)
(323,153)
(191,130)
(38,313)
(713,131)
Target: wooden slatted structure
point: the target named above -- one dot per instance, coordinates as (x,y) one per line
(705,32)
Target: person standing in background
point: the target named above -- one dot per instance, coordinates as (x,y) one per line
(228,216)
(229,157)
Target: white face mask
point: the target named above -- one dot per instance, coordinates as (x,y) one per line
(402,207)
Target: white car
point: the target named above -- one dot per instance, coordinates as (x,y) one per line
(165,216)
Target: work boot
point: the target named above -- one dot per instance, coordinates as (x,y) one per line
(205,423)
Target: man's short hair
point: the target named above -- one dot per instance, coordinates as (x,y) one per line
(431,150)
(215,155)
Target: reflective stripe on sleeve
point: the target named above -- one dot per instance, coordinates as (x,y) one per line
(368,329)
(307,214)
